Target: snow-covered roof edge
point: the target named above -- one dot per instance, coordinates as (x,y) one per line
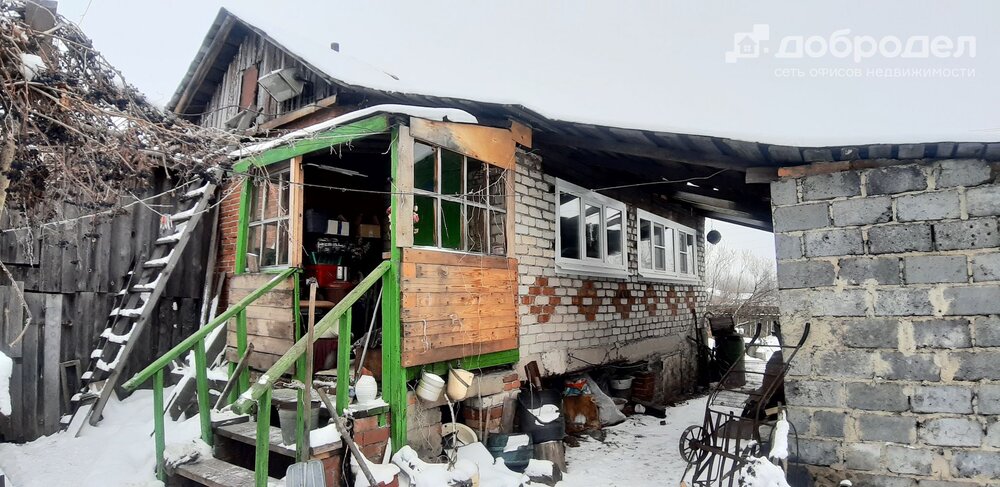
(429,113)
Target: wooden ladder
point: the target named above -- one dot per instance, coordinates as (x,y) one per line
(135,306)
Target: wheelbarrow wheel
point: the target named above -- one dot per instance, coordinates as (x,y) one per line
(689,452)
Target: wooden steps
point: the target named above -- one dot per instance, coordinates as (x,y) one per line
(213,472)
(246,432)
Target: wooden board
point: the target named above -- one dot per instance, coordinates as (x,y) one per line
(456,305)
(403,187)
(493,145)
(217,473)
(270,319)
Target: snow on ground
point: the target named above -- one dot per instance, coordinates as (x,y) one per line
(639,451)
(117,452)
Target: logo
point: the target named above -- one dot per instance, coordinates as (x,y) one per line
(748,45)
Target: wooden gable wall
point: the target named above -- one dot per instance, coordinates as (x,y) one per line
(255,51)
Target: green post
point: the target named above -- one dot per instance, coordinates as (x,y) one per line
(242,237)
(344,362)
(201,376)
(393,373)
(301,449)
(263,438)
(158,437)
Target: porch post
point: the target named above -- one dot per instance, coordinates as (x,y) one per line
(393,373)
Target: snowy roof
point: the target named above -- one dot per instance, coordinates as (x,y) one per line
(661,71)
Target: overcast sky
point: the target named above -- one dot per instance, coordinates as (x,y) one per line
(659,65)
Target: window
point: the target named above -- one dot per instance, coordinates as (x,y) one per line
(460,202)
(590,233)
(666,249)
(267,238)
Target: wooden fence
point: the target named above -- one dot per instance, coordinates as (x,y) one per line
(70,274)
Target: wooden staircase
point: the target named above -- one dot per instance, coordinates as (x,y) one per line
(234,444)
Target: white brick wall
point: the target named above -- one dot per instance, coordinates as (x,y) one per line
(569,312)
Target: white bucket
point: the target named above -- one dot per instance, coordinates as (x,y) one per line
(459,382)
(430,387)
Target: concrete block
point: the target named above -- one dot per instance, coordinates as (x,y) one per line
(829,424)
(932,269)
(980,300)
(986,331)
(885,239)
(942,399)
(877,397)
(910,367)
(865,480)
(993,435)
(834,243)
(903,302)
(849,302)
(977,365)
(946,483)
(897,429)
(787,246)
(896,179)
(801,217)
(986,267)
(816,452)
(861,211)
(857,270)
(975,464)
(908,460)
(983,201)
(800,274)
(844,363)
(938,205)
(962,172)
(862,456)
(976,233)
(942,334)
(784,192)
(869,333)
(833,185)
(951,432)
(814,393)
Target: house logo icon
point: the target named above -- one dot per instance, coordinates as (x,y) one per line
(748,44)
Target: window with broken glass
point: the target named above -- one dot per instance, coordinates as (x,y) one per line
(590,232)
(666,249)
(460,203)
(267,237)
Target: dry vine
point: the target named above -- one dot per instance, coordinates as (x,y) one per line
(72,130)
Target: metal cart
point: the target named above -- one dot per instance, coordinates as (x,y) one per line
(740,415)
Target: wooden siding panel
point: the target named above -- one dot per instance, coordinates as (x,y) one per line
(456,305)
(270,319)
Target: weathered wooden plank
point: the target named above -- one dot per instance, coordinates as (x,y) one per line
(30,370)
(411,359)
(419,329)
(51,336)
(264,344)
(255,281)
(488,299)
(273,299)
(270,313)
(270,328)
(13,319)
(403,187)
(424,285)
(423,256)
(256,361)
(471,338)
(492,145)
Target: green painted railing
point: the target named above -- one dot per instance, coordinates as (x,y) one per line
(259,394)
(197,342)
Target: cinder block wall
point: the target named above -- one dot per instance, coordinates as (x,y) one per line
(563,315)
(897,268)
